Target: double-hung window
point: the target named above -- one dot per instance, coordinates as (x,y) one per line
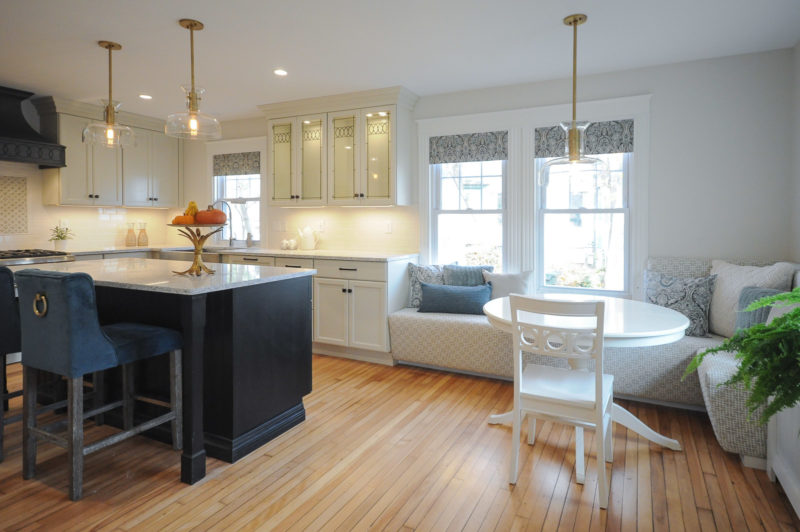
(237,181)
(583,219)
(468,178)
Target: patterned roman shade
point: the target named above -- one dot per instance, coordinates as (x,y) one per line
(614,136)
(492,146)
(237,163)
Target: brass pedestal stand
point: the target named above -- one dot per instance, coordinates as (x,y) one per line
(192,232)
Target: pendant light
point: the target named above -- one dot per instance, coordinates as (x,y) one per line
(109,134)
(192,124)
(574,161)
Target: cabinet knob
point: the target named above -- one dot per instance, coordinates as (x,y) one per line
(355,195)
(155,199)
(361,195)
(349,290)
(344,290)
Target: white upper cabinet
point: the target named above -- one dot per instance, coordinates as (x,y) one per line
(298,162)
(150,170)
(355,149)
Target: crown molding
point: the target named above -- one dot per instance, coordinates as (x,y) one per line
(47,105)
(400,96)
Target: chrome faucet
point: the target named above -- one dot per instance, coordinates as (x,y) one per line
(230,219)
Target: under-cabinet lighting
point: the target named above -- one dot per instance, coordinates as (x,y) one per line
(382,113)
(369,115)
(145,97)
(306,121)
(348,147)
(280,72)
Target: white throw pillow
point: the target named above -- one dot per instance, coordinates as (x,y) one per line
(509,283)
(731,278)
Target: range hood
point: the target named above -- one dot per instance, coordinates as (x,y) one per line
(19,142)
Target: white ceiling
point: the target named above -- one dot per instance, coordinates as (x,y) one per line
(334,46)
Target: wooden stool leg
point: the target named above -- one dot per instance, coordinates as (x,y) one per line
(99,388)
(176,398)
(4,393)
(29,377)
(75,442)
(127,396)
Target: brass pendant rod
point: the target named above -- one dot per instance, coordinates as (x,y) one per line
(191,46)
(574,72)
(109,115)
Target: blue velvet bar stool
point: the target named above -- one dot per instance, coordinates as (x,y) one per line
(61,334)
(10,342)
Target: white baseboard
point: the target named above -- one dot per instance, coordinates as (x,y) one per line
(363,355)
(753,462)
(670,404)
(12,358)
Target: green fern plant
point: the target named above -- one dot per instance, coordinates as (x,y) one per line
(769,358)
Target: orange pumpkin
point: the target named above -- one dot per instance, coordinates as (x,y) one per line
(211,216)
(182,219)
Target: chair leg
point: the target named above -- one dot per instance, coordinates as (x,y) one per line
(610,441)
(176,398)
(516,421)
(602,477)
(531,429)
(29,377)
(75,443)
(580,463)
(99,388)
(128,387)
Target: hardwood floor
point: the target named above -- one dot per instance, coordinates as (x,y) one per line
(400,448)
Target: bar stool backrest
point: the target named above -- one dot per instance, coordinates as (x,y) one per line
(10,340)
(60,329)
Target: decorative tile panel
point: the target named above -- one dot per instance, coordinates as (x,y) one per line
(14,199)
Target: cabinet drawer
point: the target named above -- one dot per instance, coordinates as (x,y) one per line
(351,269)
(251,259)
(289,262)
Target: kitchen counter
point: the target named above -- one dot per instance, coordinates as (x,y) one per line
(154,275)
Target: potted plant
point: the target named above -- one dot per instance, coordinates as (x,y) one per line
(769,357)
(59,236)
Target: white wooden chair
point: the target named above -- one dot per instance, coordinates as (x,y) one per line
(577,396)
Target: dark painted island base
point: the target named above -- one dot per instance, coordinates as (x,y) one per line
(256,359)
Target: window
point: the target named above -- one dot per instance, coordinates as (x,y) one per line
(583,227)
(468,219)
(237,181)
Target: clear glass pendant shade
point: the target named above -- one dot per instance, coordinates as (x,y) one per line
(192,124)
(109,134)
(574,161)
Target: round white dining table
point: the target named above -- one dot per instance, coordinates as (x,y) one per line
(628,323)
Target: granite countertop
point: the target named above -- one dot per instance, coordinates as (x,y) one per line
(155,275)
(370,256)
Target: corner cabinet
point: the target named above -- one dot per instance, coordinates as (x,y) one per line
(150,170)
(93,175)
(298,160)
(146,174)
(350,149)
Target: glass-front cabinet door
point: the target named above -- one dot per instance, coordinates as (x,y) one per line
(343,153)
(312,186)
(378,140)
(281,167)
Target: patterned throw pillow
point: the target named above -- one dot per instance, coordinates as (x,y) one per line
(464,275)
(431,274)
(691,296)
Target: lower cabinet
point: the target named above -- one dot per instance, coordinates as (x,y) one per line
(351,313)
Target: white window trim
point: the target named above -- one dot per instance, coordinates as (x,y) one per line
(259,144)
(519,249)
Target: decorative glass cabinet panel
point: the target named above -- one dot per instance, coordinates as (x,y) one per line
(312,162)
(378,145)
(282,161)
(343,138)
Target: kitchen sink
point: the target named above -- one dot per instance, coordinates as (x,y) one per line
(222,249)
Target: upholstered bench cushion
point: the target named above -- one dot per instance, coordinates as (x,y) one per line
(135,341)
(727,410)
(655,372)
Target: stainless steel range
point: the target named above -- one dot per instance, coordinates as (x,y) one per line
(13,257)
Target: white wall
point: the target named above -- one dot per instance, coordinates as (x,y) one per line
(720,147)
(795,149)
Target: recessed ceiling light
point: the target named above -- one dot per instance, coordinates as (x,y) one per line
(369,115)
(306,121)
(280,72)
(145,97)
(382,113)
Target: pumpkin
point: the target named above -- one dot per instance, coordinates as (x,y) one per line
(211,216)
(183,219)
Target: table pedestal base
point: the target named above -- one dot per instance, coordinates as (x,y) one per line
(618,415)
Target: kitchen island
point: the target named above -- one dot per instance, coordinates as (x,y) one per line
(246,353)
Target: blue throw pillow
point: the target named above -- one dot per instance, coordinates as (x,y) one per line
(454,299)
(745,320)
(464,275)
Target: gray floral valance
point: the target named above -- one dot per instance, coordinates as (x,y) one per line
(614,136)
(237,163)
(492,146)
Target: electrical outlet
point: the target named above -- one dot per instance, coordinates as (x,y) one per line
(388,227)
(279,226)
(321,226)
